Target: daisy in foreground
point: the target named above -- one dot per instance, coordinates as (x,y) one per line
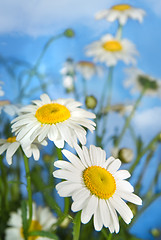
(60,120)
(42,219)
(11,145)
(110,50)
(121,12)
(96,186)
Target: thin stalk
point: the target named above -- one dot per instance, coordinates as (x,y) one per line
(141,154)
(119,32)
(84,87)
(109,98)
(5,184)
(129,118)
(28,178)
(59,153)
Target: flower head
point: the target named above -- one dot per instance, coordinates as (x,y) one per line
(42,219)
(11,145)
(60,120)
(96,186)
(121,12)
(88,69)
(139,81)
(10,109)
(110,50)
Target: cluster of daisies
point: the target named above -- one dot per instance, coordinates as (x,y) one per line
(95,183)
(97,187)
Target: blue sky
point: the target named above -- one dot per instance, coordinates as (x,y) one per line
(25,26)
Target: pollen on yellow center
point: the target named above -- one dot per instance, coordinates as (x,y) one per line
(52,113)
(112,46)
(11,139)
(35,226)
(121,7)
(99,181)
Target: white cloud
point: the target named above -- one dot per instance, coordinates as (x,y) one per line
(148,122)
(41,17)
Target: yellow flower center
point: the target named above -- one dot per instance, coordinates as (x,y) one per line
(52,113)
(121,7)
(35,226)
(11,139)
(99,181)
(112,46)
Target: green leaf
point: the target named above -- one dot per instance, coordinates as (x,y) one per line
(43,234)
(76,226)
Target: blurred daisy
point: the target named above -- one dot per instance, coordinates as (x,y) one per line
(60,120)
(88,69)
(68,83)
(96,186)
(68,68)
(42,219)
(11,145)
(10,109)
(1,90)
(139,81)
(110,50)
(119,108)
(121,12)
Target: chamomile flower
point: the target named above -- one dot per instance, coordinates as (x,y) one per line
(121,12)
(137,80)
(96,186)
(42,220)
(60,120)
(11,145)
(10,109)
(110,50)
(88,69)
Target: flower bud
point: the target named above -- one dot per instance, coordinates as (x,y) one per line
(125,155)
(69,33)
(155,232)
(91,102)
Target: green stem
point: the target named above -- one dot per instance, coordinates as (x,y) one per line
(84,87)
(37,64)
(109,98)
(129,118)
(28,178)
(141,154)
(4,184)
(76,226)
(119,32)
(59,153)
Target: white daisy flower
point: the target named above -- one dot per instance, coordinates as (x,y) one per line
(68,68)
(121,12)
(1,90)
(10,109)
(60,120)
(11,145)
(96,186)
(110,50)
(68,83)
(88,69)
(42,219)
(138,81)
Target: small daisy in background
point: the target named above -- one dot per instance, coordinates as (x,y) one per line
(97,187)
(60,120)
(11,145)
(137,80)
(121,12)
(1,90)
(88,69)
(110,50)
(69,75)
(10,109)
(42,220)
